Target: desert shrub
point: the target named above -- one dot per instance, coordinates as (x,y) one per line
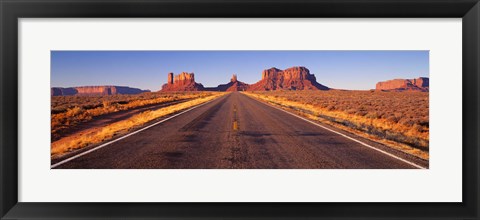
(75,111)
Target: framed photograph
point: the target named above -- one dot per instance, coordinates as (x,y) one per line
(250,110)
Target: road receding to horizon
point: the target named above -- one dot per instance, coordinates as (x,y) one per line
(238,132)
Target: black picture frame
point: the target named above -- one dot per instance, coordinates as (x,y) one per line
(12,10)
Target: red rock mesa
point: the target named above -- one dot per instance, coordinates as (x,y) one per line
(294,78)
(182,82)
(419,84)
(95,90)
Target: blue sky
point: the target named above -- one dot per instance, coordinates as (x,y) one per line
(359,70)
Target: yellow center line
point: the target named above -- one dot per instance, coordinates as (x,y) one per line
(235,123)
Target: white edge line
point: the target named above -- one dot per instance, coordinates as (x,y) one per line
(125,136)
(353,139)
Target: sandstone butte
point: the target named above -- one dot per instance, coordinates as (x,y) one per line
(295,78)
(419,84)
(94,90)
(233,85)
(182,82)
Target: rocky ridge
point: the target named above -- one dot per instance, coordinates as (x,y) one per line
(94,90)
(419,84)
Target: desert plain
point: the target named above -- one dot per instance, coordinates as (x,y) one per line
(286,120)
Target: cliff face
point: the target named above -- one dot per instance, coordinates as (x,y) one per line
(419,84)
(233,85)
(295,78)
(95,90)
(182,82)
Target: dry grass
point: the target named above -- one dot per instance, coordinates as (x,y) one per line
(397,119)
(97,135)
(68,111)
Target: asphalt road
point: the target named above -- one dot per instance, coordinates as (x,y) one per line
(236,131)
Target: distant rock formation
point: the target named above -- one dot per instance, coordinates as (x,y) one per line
(182,82)
(94,90)
(233,85)
(294,78)
(419,84)
(58,91)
